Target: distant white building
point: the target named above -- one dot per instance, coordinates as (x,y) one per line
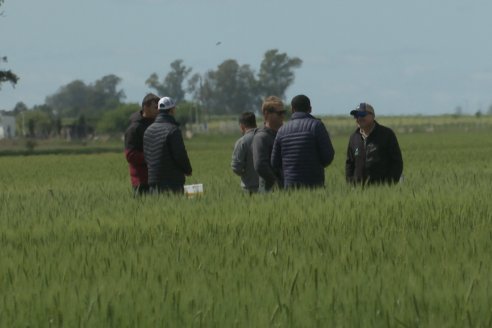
(7,126)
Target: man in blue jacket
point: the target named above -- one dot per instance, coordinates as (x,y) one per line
(302,147)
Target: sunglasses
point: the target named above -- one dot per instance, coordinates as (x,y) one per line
(361,114)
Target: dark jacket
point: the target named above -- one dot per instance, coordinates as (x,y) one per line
(375,160)
(302,150)
(165,153)
(261,147)
(134,148)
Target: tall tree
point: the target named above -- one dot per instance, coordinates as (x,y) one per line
(116,121)
(20,107)
(229,89)
(76,98)
(105,93)
(70,100)
(172,85)
(195,88)
(276,73)
(38,123)
(7,75)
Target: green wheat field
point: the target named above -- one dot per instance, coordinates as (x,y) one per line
(76,250)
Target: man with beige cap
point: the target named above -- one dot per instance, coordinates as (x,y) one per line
(373,153)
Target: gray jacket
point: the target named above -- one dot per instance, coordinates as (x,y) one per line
(262,152)
(242,161)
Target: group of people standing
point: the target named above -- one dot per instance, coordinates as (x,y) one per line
(290,155)
(295,154)
(154,148)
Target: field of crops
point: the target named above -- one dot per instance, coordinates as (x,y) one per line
(76,250)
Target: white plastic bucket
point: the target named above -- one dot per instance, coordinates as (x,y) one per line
(193,190)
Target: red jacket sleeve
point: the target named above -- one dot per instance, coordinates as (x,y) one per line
(134,157)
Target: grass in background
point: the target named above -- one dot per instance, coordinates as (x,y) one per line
(77,250)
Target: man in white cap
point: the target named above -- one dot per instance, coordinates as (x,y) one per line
(373,153)
(165,152)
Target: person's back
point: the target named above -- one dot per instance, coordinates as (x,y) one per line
(166,156)
(302,148)
(262,145)
(242,156)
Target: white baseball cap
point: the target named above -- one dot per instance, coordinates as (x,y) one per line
(166,103)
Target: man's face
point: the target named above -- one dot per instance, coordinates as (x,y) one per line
(364,120)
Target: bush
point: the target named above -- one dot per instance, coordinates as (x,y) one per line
(117,120)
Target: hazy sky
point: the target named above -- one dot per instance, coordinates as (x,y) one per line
(403,57)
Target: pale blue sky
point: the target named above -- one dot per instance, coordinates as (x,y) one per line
(403,57)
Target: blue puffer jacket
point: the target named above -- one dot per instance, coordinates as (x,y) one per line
(302,149)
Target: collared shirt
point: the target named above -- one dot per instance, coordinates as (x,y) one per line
(364,135)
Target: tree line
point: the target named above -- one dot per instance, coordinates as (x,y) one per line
(231,88)
(6,75)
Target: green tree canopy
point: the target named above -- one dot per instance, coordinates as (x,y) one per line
(231,88)
(7,75)
(35,123)
(117,120)
(77,99)
(276,73)
(20,107)
(234,88)
(172,85)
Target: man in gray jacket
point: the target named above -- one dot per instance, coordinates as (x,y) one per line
(273,113)
(242,157)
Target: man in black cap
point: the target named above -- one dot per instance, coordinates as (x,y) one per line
(302,147)
(165,152)
(373,153)
(134,153)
